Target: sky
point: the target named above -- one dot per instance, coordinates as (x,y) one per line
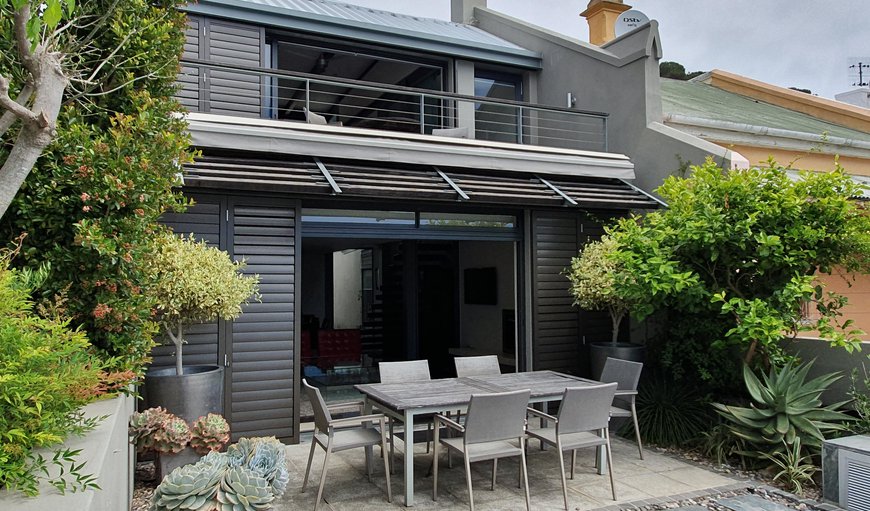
(790,43)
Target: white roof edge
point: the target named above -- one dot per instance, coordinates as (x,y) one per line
(263,135)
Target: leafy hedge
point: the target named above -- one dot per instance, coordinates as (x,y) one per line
(46,374)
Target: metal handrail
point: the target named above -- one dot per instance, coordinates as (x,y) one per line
(354,106)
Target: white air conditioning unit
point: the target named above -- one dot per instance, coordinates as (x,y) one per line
(846,472)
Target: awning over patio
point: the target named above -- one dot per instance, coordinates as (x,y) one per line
(384,180)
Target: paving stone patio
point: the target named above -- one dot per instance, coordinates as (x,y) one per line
(656,479)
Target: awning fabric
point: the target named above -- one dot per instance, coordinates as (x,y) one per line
(384,180)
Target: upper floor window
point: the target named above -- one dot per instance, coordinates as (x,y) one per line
(497,121)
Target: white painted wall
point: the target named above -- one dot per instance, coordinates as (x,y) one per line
(480,325)
(347,289)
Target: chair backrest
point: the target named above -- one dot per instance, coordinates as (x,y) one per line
(494,417)
(321,413)
(485,365)
(313,118)
(585,408)
(400,372)
(624,373)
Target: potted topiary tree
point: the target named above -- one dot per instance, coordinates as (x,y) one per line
(594,275)
(194,283)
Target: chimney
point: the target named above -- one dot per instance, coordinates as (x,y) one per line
(462,11)
(601,16)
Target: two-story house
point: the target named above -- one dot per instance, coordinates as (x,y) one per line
(405,187)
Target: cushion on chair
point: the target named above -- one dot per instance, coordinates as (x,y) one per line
(484,450)
(616,411)
(350,438)
(570,440)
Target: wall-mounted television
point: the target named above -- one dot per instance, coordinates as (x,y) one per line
(481,286)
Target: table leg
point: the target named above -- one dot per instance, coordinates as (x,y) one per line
(409,458)
(367,410)
(601,459)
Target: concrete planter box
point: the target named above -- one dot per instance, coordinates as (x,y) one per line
(107,454)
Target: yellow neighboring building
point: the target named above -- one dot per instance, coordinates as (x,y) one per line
(758,120)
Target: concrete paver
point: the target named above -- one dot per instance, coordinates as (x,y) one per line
(348,489)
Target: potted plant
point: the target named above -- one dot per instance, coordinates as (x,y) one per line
(594,276)
(173,441)
(194,283)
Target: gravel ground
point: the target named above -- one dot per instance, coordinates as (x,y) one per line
(146,482)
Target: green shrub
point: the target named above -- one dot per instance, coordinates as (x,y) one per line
(796,469)
(860,402)
(46,375)
(669,413)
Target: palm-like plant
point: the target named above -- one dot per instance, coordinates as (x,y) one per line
(785,407)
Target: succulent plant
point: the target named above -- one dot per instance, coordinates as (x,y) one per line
(173,436)
(144,424)
(218,459)
(241,489)
(209,433)
(241,452)
(192,487)
(268,462)
(785,406)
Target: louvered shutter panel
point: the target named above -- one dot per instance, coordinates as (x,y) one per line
(189,77)
(262,348)
(236,93)
(559,326)
(203,221)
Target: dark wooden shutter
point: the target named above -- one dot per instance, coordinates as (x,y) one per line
(189,77)
(234,93)
(203,221)
(262,348)
(558,326)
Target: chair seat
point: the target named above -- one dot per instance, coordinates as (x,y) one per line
(570,441)
(483,450)
(350,438)
(616,411)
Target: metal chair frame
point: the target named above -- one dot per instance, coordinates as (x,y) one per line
(626,374)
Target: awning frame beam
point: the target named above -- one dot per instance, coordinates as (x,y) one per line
(456,188)
(323,170)
(553,187)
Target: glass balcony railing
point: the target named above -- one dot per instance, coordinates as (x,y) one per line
(275,94)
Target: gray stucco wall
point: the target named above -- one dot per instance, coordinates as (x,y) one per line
(621,79)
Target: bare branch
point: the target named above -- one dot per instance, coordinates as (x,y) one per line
(19,27)
(112,54)
(8,118)
(18,110)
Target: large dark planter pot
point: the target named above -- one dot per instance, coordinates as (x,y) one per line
(599,351)
(197,392)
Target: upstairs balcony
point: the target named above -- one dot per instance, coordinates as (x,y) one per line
(274,94)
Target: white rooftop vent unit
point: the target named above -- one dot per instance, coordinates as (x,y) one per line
(846,472)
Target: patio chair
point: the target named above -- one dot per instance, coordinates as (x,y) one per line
(403,372)
(485,365)
(336,435)
(625,374)
(492,424)
(582,422)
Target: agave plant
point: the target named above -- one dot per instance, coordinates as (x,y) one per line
(144,424)
(209,433)
(241,489)
(268,462)
(192,487)
(796,470)
(786,406)
(173,436)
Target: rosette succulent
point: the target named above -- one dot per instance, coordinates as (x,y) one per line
(209,433)
(192,487)
(241,489)
(144,424)
(173,436)
(268,462)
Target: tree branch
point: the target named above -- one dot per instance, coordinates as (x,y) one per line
(9,117)
(13,107)
(19,27)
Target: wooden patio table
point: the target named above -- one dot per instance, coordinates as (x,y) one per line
(405,401)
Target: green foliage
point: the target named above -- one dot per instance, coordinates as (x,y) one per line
(195,283)
(720,444)
(796,469)
(676,71)
(47,374)
(860,402)
(44,16)
(668,413)
(92,203)
(209,433)
(785,408)
(732,258)
(248,477)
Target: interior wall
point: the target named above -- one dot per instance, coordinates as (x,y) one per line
(480,325)
(347,289)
